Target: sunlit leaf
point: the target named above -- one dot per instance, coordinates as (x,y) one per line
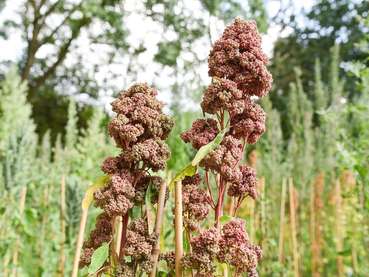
(89,195)
(224,219)
(98,258)
(189,170)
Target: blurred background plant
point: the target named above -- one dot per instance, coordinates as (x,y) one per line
(62,61)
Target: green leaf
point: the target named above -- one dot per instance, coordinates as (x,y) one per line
(168,53)
(189,170)
(186,243)
(221,268)
(98,258)
(89,195)
(224,219)
(204,150)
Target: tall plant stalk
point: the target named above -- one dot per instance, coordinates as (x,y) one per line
(339,225)
(178,225)
(119,230)
(158,225)
(282,221)
(293,226)
(22,204)
(79,243)
(62,226)
(316,221)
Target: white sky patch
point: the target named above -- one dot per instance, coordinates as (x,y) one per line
(144,30)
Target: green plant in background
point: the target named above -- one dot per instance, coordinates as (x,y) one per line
(34,239)
(31,210)
(17,131)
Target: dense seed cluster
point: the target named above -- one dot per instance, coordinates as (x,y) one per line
(195,202)
(236,249)
(238,67)
(140,244)
(225,158)
(139,129)
(237,56)
(250,123)
(205,248)
(230,245)
(222,93)
(201,133)
(247,184)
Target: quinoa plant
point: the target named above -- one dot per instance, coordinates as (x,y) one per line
(239,75)
(139,130)
(237,66)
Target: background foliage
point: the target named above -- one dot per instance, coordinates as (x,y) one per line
(53,140)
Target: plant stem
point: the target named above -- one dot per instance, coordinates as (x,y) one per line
(339,229)
(44,225)
(232,206)
(212,204)
(119,222)
(317,204)
(124,235)
(178,224)
(158,223)
(219,206)
(281,222)
(293,229)
(62,226)
(22,203)
(82,226)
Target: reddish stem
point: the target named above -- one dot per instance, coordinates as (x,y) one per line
(222,119)
(212,203)
(243,145)
(239,202)
(219,206)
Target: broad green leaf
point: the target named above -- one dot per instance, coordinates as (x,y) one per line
(98,258)
(221,269)
(150,210)
(89,195)
(189,170)
(204,150)
(186,243)
(135,212)
(224,219)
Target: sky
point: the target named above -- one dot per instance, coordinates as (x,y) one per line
(11,48)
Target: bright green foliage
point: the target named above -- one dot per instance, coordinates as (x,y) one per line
(271,146)
(335,142)
(98,258)
(40,167)
(17,132)
(71,130)
(180,152)
(93,146)
(18,143)
(326,23)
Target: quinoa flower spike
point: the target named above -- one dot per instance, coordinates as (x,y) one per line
(237,66)
(139,130)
